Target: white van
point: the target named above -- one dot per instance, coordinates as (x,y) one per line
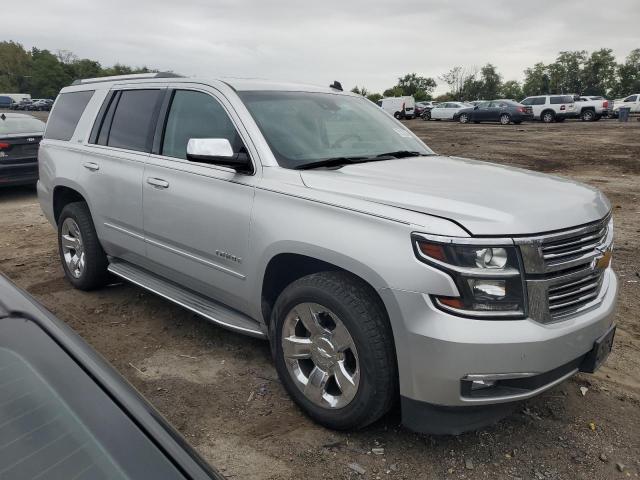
(399,107)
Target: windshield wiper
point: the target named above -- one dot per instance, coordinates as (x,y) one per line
(402,154)
(334,162)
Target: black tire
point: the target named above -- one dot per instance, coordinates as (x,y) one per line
(464,118)
(505,119)
(426,115)
(588,116)
(363,315)
(548,116)
(397,115)
(94,274)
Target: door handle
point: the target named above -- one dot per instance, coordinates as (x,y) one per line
(91,166)
(157,182)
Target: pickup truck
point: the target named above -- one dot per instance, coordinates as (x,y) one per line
(378,270)
(592,108)
(632,102)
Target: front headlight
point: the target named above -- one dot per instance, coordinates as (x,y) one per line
(487,272)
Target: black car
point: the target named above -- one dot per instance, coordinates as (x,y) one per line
(20,135)
(65,413)
(503,111)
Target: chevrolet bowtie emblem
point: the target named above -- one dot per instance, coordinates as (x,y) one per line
(604,261)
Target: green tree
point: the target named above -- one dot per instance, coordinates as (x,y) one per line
(628,76)
(374,97)
(511,89)
(15,67)
(393,92)
(460,81)
(48,74)
(490,82)
(599,73)
(536,80)
(360,91)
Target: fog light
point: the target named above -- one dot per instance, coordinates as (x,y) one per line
(488,289)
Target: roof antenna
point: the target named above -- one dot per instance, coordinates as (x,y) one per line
(336,85)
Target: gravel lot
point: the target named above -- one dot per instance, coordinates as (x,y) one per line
(220,389)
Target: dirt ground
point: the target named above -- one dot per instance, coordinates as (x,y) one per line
(220,389)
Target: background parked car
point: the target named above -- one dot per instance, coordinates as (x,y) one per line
(40,104)
(20,135)
(23,104)
(447,110)
(5,102)
(503,111)
(632,102)
(399,107)
(550,108)
(422,107)
(592,108)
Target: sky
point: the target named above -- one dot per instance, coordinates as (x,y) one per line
(358,42)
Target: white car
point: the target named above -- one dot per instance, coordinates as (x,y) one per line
(632,102)
(447,110)
(550,108)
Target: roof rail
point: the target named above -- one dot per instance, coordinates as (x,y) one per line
(133,76)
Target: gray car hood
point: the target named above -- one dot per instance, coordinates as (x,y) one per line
(485,198)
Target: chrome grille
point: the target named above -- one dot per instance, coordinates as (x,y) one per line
(562,270)
(568,297)
(561,251)
(566,250)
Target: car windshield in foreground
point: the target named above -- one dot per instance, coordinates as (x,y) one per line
(10,125)
(307,129)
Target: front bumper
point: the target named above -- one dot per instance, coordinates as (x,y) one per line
(438,351)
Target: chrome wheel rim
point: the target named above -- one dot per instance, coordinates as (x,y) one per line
(464,118)
(547,118)
(320,355)
(72,247)
(504,119)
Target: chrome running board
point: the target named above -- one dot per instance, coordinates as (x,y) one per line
(209,309)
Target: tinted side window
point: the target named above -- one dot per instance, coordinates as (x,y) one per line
(66,114)
(526,101)
(632,98)
(562,99)
(196,115)
(538,101)
(133,120)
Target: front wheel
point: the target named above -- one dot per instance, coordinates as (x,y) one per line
(505,119)
(464,118)
(397,115)
(333,350)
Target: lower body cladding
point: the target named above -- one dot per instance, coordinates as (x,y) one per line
(19,173)
(458,374)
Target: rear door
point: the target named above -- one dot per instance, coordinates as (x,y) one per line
(113,167)
(197,215)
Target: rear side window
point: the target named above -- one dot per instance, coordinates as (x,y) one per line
(561,99)
(66,114)
(538,101)
(133,120)
(196,115)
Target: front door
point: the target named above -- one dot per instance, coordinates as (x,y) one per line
(197,215)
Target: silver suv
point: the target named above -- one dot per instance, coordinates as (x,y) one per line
(377,269)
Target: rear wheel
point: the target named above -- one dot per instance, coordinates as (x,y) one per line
(548,116)
(505,119)
(426,115)
(333,350)
(397,115)
(464,118)
(83,259)
(588,115)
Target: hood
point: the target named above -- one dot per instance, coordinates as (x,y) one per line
(485,198)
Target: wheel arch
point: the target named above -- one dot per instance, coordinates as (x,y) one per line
(64,194)
(287,265)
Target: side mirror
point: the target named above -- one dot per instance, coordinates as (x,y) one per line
(217,151)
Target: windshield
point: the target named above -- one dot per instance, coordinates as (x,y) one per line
(303,128)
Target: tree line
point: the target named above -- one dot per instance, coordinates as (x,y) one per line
(43,73)
(574,72)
